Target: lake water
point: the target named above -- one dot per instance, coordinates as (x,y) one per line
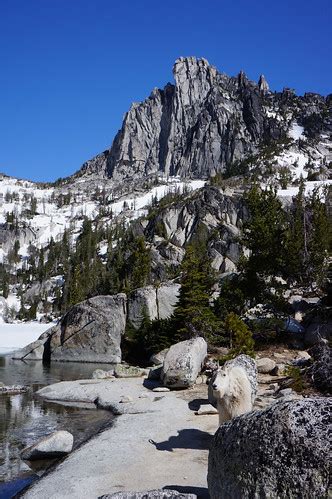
(24,418)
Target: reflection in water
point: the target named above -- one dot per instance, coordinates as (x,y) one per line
(25,418)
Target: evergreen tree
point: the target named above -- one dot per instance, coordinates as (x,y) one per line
(76,291)
(240,336)
(296,251)
(232,297)
(4,282)
(319,240)
(33,206)
(263,235)
(193,315)
(139,264)
(41,265)
(263,232)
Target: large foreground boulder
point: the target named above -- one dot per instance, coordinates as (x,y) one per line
(281,452)
(57,444)
(90,331)
(151,494)
(183,363)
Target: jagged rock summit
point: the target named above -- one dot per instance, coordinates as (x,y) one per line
(199,125)
(192,128)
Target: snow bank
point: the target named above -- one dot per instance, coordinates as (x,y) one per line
(309,187)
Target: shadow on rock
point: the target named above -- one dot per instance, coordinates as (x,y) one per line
(195,404)
(201,492)
(190,438)
(150,384)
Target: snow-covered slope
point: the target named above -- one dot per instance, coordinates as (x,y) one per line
(32,214)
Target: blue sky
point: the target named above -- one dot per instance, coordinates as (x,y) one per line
(71,68)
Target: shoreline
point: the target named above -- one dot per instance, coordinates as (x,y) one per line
(158,442)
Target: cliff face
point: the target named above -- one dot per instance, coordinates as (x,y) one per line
(202,123)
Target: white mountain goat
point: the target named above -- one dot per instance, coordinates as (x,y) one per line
(233,392)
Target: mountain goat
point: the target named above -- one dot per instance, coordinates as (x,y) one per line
(232,391)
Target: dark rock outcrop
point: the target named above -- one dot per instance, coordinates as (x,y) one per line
(321,370)
(210,209)
(316,329)
(91,331)
(281,452)
(156,302)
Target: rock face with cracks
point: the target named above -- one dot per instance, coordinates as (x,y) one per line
(90,331)
(183,363)
(281,452)
(196,127)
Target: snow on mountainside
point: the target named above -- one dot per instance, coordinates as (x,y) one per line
(58,209)
(32,215)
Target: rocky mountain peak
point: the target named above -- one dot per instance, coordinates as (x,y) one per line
(202,124)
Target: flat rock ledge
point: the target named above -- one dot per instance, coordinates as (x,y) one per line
(158,443)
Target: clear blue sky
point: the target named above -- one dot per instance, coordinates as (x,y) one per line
(71,68)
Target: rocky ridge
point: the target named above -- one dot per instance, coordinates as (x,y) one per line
(205,122)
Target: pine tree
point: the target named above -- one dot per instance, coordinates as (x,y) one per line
(76,292)
(140,264)
(41,265)
(319,240)
(232,297)
(263,235)
(193,315)
(240,336)
(4,283)
(296,251)
(263,232)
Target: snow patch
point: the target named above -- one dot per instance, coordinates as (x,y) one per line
(309,188)
(296,131)
(295,161)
